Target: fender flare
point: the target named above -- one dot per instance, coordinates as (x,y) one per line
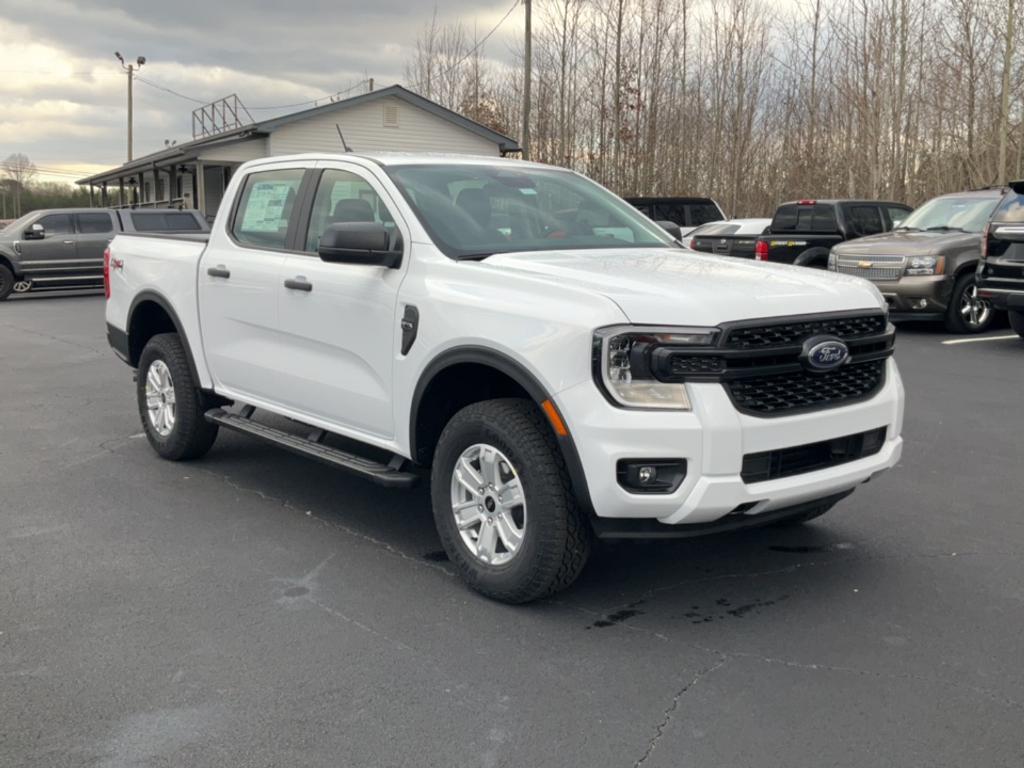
(508,366)
(811,255)
(165,305)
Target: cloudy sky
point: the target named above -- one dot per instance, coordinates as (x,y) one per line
(62,93)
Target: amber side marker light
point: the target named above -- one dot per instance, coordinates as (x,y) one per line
(556,420)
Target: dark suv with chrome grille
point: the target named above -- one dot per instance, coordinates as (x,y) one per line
(1001,270)
(926,266)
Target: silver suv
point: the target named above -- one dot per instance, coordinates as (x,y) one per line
(63,247)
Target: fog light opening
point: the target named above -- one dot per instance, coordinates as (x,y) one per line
(651,475)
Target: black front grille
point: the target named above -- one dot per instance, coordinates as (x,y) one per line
(785,462)
(801,390)
(795,332)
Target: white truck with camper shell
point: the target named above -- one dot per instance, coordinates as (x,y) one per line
(554,361)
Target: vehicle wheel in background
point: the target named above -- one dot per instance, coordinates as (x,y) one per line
(170,403)
(6,282)
(967,312)
(503,504)
(1017,323)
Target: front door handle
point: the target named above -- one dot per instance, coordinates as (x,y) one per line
(69,242)
(298,284)
(219,271)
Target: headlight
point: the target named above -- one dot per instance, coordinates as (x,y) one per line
(925,265)
(833,260)
(622,364)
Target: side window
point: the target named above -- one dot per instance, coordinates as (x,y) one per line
(343,197)
(57,224)
(94,223)
(265,207)
(164,222)
(865,219)
(702,213)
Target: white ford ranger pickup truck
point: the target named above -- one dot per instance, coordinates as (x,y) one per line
(553,360)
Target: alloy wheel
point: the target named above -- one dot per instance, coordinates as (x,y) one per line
(160,399)
(488,504)
(974,310)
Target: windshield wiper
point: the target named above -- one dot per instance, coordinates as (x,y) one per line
(944,228)
(906,229)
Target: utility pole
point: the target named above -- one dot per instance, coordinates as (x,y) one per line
(526,82)
(130,70)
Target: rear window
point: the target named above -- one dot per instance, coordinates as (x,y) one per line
(94,223)
(164,222)
(1011,209)
(865,219)
(804,218)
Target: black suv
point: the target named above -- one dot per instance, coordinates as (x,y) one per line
(1001,269)
(803,232)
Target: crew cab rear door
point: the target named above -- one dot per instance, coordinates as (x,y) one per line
(342,319)
(239,285)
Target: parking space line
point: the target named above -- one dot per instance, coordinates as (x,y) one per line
(982,338)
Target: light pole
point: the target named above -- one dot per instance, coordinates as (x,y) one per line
(130,70)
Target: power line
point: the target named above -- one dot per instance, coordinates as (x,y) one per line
(193,99)
(485,38)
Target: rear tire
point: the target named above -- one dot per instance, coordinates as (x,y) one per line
(6,282)
(966,312)
(1017,323)
(171,405)
(506,444)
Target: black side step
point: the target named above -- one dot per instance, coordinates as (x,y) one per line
(389,474)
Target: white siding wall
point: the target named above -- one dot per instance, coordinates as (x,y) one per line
(363,126)
(239,152)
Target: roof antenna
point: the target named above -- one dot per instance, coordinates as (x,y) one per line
(341,136)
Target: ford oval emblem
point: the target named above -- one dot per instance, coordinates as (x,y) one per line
(824,353)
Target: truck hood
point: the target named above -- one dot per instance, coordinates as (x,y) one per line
(908,244)
(681,287)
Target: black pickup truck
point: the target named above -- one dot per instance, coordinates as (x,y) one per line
(1001,269)
(803,232)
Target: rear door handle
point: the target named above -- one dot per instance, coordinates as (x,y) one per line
(298,284)
(219,271)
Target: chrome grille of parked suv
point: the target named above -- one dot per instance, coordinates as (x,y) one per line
(882,268)
(759,363)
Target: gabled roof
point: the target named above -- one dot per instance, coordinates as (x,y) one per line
(188,149)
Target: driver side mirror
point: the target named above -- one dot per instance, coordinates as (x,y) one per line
(359,242)
(672,228)
(35,232)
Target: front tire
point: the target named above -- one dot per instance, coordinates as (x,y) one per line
(6,282)
(967,312)
(171,405)
(503,503)
(1017,323)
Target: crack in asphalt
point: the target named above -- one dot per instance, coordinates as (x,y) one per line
(51,337)
(659,729)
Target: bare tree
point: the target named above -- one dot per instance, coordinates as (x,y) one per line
(20,171)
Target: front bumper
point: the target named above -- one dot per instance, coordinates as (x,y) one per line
(917,296)
(714,438)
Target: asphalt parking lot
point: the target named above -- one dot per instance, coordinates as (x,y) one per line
(257,609)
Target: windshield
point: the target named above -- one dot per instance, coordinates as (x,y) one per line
(473,211)
(966,213)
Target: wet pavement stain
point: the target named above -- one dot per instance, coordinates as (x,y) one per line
(619,616)
(723,609)
(440,556)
